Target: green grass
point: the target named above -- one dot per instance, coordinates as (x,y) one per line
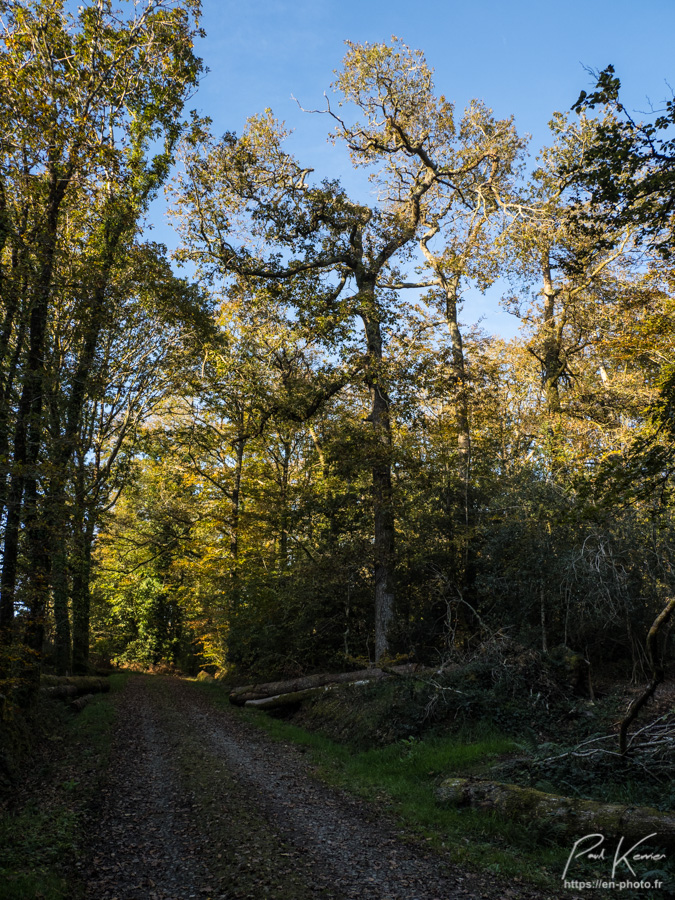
(401,779)
(33,846)
(41,835)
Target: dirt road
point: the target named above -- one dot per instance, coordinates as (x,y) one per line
(199,804)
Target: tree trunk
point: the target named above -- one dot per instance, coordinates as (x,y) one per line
(461,405)
(79,704)
(27,442)
(658,673)
(235,504)
(62,688)
(575,817)
(11,294)
(383,511)
(10,554)
(60,594)
(449,272)
(284,476)
(241,695)
(83,529)
(460,400)
(550,341)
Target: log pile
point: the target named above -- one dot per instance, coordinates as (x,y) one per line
(570,816)
(78,689)
(276,694)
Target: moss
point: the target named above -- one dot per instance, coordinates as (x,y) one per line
(518,803)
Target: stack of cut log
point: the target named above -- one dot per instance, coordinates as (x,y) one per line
(276,694)
(77,689)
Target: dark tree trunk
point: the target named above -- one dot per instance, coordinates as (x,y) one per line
(12,525)
(13,290)
(383,510)
(461,513)
(553,366)
(60,592)
(235,505)
(6,392)
(657,671)
(23,491)
(235,501)
(81,601)
(283,500)
(70,413)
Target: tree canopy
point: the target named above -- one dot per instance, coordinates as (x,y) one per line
(292,455)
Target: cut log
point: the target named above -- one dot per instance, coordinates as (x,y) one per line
(60,691)
(63,688)
(293,697)
(571,816)
(243,695)
(79,704)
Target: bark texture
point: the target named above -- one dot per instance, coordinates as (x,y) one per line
(572,816)
(73,686)
(255,692)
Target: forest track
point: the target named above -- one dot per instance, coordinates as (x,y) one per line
(199,804)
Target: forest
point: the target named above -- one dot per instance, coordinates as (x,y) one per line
(307,587)
(278,451)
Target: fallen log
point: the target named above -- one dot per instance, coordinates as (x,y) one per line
(79,704)
(571,816)
(60,691)
(293,697)
(243,695)
(64,687)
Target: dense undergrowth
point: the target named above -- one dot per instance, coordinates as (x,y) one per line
(567,742)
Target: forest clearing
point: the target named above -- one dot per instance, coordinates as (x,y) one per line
(311,584)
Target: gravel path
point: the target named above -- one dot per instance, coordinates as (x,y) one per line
(143,847)
(199,804)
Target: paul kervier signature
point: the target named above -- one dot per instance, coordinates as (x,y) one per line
(591,846)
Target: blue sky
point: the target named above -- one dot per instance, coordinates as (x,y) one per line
(522,57)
